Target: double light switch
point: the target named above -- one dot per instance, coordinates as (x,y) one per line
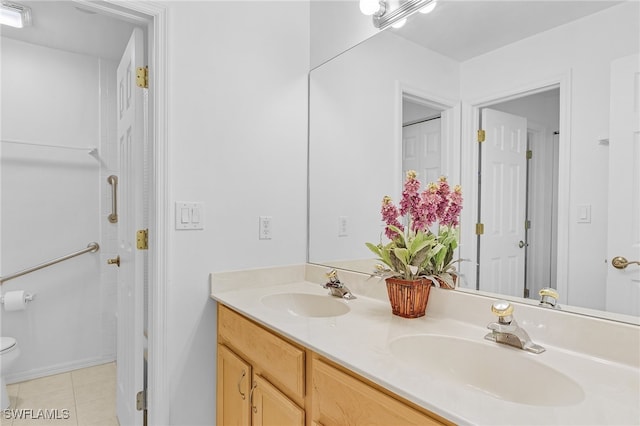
(189,215)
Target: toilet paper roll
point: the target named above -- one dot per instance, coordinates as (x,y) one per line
(15,301)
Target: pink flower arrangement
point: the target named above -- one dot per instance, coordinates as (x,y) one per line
(415,250)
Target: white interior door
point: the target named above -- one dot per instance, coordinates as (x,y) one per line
(623,285)
(422,150)
(502,202)
(131,135)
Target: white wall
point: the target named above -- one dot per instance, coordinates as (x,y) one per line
(238,139)
(50,203)
(584,49)
(355,131)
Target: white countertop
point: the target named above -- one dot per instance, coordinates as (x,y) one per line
(359,340)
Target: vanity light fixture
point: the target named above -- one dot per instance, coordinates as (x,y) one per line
(373,7)
(400,23)
(384,15)
(429,7)
(15,15)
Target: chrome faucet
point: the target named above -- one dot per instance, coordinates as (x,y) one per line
(336,288)
(507,331)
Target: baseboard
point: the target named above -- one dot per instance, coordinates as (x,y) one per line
(57,369)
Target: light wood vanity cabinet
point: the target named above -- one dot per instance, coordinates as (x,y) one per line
(341,398)
(265,380)
(260,375)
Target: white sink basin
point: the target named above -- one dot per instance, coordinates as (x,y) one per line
(500,371)
(306,305)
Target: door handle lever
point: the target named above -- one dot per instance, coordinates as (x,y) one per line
(620,262)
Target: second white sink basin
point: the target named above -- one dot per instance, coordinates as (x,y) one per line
(306,305)
(500,371)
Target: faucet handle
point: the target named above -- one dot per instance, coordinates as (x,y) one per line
(548,297)
(332,275)
(503,310)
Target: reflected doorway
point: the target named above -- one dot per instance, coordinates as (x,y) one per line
(518,163)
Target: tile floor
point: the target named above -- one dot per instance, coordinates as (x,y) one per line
(85,397)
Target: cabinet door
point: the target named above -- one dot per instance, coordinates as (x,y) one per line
(341,399)
(271,407)
(234,378)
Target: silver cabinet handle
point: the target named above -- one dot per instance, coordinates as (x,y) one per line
(253,407)
(244,373)
(113,181)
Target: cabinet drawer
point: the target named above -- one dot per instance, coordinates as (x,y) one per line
(339,398)
(282,363)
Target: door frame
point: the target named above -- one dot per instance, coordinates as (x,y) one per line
(153,16)
(469,172)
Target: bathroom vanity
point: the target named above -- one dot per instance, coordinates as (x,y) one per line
(289,353)
(266,377)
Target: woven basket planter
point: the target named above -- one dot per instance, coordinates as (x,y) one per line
(408,297)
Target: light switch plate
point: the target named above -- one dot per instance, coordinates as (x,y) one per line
(584,213)
(189,215)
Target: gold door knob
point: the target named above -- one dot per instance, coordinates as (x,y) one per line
(114,261)
(620,262)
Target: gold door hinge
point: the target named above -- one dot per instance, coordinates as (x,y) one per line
(479,228)
(141,401)
(481,135)
(142,239)
(529,154)
(142,77)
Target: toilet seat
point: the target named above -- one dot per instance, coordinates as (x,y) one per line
(7,344)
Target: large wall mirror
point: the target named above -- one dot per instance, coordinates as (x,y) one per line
(555,86)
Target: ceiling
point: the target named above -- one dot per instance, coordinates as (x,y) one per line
(72,27)
(464,29)
(456,28)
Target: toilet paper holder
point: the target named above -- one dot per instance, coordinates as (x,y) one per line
(28,297)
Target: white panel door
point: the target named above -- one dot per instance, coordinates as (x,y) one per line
(421,150)
(502,202)
(131,135)
(623,285)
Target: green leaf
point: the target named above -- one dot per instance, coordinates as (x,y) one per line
(402,254)
(375,249)
(396,264)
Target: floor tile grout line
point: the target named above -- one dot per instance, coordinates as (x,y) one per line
(101,377)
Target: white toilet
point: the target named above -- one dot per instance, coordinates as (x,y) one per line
(9,352)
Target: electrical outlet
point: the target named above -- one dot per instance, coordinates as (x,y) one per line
(265,228)
(342,226)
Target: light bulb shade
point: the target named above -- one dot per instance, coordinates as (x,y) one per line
(369,7)
(429,8)
(15,15)
(400,23)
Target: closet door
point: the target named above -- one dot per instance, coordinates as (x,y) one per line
(503,167)
(623,285)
